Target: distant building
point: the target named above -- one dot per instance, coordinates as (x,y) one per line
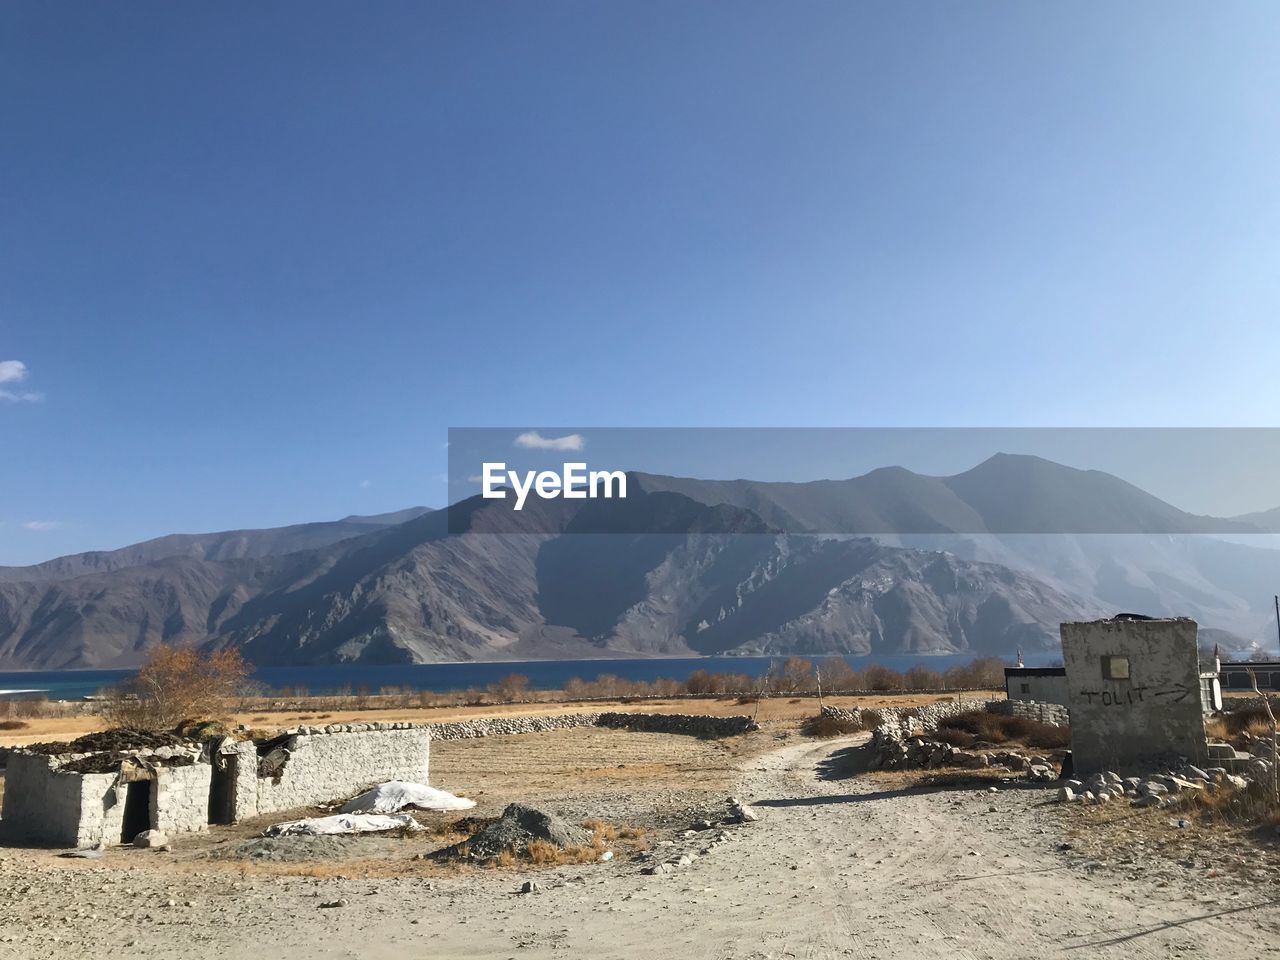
(1235,676)
(1042,684)
(1049,684)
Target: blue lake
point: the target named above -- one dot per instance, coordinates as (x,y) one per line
(442,677)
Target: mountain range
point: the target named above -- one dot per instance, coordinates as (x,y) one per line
(985,561)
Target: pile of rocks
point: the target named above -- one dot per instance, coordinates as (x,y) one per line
(512,833)
(1159,790)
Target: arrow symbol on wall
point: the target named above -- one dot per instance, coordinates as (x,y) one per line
(1179,693)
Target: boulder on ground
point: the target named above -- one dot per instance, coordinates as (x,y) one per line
(513,832)
(740,812)
(150,839)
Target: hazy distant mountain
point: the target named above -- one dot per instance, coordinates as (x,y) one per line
(1006,494)
(680,567)
(1268,520)
(226,545)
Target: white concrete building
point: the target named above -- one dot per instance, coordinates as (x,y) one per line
(1135,694)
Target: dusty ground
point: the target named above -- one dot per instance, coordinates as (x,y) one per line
(771,708)
(837,866)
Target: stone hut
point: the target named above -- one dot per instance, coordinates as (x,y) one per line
(108,787)
(105,788)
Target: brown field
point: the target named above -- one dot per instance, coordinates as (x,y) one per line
(772,708)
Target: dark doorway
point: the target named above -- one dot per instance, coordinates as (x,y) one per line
(222,788)
(137,810)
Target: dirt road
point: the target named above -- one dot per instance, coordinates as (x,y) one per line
(834,868)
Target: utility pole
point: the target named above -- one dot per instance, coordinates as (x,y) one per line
(1278,616)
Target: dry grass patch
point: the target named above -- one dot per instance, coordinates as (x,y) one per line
(982,726)
(825,726)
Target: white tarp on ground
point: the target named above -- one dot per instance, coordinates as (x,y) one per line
(341,823)
(402,795)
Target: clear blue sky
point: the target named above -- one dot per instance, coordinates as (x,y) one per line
(257,257)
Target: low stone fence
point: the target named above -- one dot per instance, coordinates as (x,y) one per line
(900,723)
(507,726)
(1231,704)
(693,725)
(1054,714)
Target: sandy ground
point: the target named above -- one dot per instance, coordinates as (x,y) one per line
(837,866)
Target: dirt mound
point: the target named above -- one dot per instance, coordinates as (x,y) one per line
(293,849)
(109,740)
(513,832)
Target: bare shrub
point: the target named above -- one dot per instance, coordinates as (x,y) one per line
(837,675)
(921,677)
(825,725)
(793,675)
(1002,728)
(177,684)
(882,678)
(957,738)
(984,672)
(511,688)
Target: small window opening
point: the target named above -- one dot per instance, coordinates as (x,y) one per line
(1115,668)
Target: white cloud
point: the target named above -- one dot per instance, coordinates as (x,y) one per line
(366,484)
(533,440)
(15,371)
(12,371)
(475,478)
(8,396)
(42,525)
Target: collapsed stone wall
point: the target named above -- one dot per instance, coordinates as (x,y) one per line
(1054,714)
(709,728)
(896,745)
(675,723)
(310,765)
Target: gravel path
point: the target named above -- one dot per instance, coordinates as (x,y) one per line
(834,868)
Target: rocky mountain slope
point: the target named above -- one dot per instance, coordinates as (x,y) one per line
(679,567)
(225,545)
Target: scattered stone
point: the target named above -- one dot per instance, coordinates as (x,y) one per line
(151,839)
(659,868)
(530,886)
(740,812)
